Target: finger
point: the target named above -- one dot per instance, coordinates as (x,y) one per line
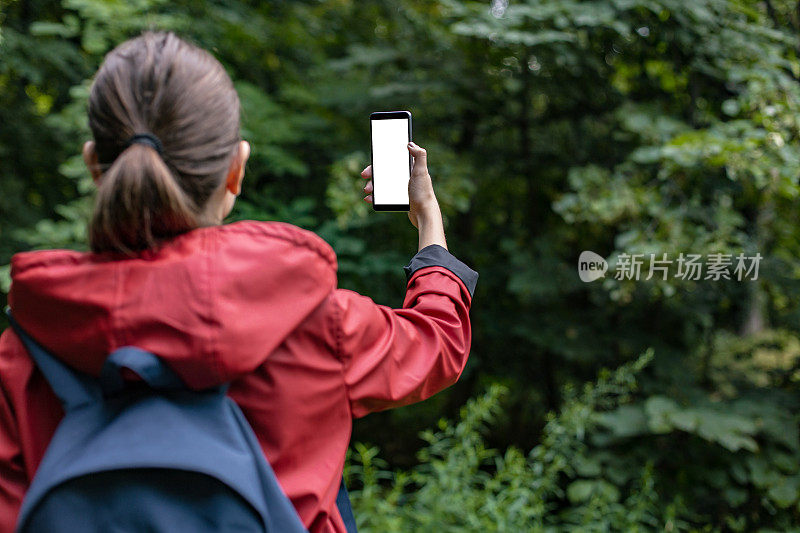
(368,198)
(367,173)
(368,187)
(419,153)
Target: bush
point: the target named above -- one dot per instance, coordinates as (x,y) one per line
(610,460)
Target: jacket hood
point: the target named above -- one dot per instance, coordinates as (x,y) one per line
(213,302)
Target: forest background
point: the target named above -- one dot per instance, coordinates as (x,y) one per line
(622,127)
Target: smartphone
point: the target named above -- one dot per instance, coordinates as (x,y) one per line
(390,132)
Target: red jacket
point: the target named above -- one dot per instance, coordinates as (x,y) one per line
(252,303)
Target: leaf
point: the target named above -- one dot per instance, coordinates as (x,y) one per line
(785,492)
(684,420)
(735,496)
(52,29)
(587,466)
(760,472)
(5,278)
(731,431)
(658,409)
(625,421)
(582,490)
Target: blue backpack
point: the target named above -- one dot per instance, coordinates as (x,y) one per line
(151,457)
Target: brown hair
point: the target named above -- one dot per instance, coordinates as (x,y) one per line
(160,84)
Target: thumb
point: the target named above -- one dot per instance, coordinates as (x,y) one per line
(420,155)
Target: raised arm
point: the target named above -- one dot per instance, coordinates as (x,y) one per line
(394,357)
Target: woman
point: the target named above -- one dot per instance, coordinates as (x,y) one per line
(250,303)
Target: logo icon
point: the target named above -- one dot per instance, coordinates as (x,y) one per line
(591,266)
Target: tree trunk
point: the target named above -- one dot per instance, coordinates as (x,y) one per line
(755,320)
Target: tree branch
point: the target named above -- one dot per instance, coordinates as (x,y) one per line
(771,12)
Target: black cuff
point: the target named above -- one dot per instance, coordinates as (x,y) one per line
(435,255)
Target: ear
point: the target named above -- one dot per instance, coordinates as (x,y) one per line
(233,183)
(90,158)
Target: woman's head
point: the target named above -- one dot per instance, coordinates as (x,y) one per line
(161,85)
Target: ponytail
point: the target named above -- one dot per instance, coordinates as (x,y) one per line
(139,203)
(154,190)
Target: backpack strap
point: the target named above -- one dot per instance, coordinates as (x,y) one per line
(343,503)
(72,387)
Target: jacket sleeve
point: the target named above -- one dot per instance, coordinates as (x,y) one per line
(13,479)
(395,357)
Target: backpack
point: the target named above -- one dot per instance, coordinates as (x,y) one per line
(153,456)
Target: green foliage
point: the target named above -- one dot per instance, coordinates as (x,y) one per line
(563,484)
(597,468)
(553,127)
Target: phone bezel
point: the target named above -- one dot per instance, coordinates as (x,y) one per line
(386,115)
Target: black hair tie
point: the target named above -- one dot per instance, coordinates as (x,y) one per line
(146,138)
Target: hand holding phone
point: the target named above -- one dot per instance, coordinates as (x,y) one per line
(423,208)
(422,199)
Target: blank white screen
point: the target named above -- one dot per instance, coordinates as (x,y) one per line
(390,161)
